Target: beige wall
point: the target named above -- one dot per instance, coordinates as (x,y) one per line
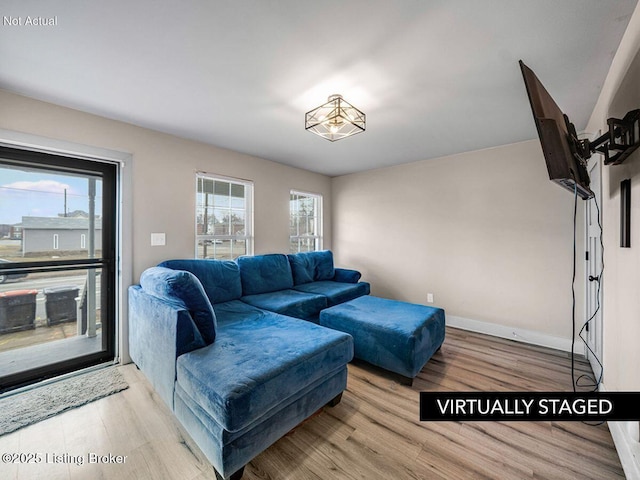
(621,302)
(163,177)
(486,232)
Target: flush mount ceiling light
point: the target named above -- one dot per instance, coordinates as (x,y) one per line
(335,120)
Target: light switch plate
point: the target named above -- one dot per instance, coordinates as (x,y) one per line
(158,239)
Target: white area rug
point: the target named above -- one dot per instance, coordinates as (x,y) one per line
(22,409)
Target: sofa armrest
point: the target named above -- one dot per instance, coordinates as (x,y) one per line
(159,332)
(345,275)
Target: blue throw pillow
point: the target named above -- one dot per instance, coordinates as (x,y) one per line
(167,283)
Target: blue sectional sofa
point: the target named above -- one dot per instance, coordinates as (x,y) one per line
(223,345)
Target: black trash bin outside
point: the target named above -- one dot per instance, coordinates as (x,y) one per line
(60,304)
(17,310)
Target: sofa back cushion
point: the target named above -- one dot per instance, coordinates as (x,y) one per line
(309,267)
(220,278)
(178,286)
(264,273)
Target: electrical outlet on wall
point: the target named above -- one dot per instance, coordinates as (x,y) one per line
(429,297)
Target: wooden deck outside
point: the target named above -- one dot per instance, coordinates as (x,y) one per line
(41,334)
(28,349)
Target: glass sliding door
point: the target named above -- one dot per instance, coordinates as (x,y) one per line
(57,265)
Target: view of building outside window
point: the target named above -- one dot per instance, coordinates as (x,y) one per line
(223,217)
(305,222)
(48,217)
(41,212)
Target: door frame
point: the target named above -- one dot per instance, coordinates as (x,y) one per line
(124,212)
(595,162)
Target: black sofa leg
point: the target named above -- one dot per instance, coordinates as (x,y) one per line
(335,400)
(236,476)
(408,381)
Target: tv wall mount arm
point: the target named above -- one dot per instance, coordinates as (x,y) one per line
(617,144)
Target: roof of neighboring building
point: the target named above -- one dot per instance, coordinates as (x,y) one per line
(58,223)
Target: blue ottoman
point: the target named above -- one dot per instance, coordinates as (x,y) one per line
(397,336)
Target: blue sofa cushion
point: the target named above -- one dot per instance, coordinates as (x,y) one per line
(309,267)
(256,366)
(183,287)
(336,292)
(264,273)
(236,310)
(219,278)
(289,302)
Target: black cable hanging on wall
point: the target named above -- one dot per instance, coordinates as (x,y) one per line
(585,380)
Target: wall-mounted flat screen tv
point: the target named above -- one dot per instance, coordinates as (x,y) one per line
(565,155)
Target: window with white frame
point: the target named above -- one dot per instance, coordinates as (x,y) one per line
(305,222)
(224,220)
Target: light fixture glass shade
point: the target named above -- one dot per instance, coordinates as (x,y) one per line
(335,120)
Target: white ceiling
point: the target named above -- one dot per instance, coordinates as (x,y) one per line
(434,77)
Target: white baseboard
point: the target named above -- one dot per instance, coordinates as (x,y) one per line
(512,333)
(626,438)
(627,446)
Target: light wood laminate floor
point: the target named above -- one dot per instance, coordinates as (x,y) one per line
(374,433)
